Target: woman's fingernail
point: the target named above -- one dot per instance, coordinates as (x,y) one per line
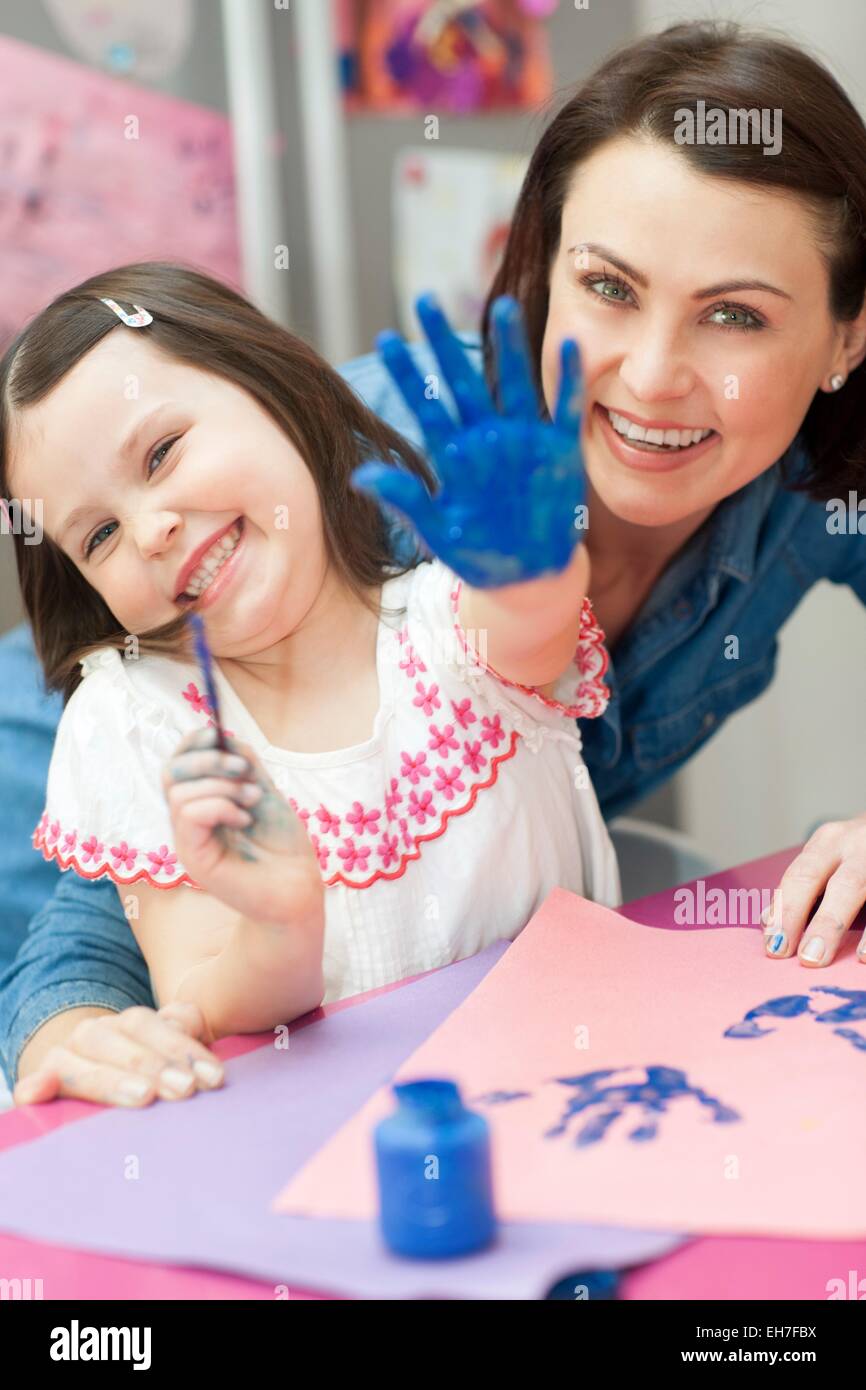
(251,792)
(233,763)
(765,915)
(776,943)
(814,950)
(132,1090)
(208,1072)
(176,1081)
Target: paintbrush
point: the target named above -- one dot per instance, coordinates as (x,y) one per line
(205,661)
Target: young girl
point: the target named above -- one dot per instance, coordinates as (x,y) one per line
(404,782)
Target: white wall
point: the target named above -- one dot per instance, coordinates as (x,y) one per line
(798,754)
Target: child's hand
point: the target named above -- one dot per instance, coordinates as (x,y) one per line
(511,483)
(127,1058)
(234,831)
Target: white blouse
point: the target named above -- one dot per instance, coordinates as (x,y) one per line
(441,833)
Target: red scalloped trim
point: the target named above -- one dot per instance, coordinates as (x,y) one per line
(590,631)
(411,855)
(38,841)
(407,856)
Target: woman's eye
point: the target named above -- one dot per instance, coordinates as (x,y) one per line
(600,284)
(753,320)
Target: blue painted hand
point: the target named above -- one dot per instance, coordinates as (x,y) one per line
(511,483)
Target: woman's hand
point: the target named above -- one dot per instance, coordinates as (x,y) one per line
(235,832)
(511,483)
(127,1058)
(832,862)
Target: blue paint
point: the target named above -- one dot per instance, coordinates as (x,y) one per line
(786,1006)
(434,1172)
(794,1005)
(777,942)
(654,1096)
(510,481)
(500,1097)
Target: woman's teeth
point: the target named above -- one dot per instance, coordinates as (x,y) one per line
(213,561)
(654,439)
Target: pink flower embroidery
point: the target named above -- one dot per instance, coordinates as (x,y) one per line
(463,712)
(421,807)
(124,857)
(405,833)
(412,662)
(402,635)
(492,730)
(322,852)
(387,850)
(70,839)
(427,700)
(413,768)
(449,782)
(200,703)
(302,814)
(354,856)
(364,821)
(53,831)
(441,742)
(393,797)
(472,755)
(162,860)
(328,824)
(92,849)
(43,821)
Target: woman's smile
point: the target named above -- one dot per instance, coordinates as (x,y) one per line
(648,453)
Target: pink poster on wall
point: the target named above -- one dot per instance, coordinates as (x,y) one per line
(676,1080)
(96,171)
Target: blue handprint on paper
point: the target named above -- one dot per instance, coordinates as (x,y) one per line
(794,1005)
(603,1105)
(511,483)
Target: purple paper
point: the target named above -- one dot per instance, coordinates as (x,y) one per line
(208,1169)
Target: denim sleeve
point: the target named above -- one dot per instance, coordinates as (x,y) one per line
(79,950)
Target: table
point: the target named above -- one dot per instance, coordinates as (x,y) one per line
(716,1268)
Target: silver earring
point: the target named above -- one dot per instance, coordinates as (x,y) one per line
(837,382)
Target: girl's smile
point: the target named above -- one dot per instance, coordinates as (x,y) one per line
(211,567)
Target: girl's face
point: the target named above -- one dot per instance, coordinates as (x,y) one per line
(649,278)
(141,461)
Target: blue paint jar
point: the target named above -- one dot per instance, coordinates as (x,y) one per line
(435,1181)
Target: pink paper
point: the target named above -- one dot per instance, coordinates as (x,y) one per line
(95,172)
(749,1129)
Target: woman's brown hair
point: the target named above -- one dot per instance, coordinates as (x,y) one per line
(638,91)
(203,323)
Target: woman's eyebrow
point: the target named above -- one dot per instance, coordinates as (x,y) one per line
(129,448)
(711,291)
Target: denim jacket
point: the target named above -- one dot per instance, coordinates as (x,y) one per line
(674,680)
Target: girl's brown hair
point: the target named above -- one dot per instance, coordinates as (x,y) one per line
(638,91)
(203,323)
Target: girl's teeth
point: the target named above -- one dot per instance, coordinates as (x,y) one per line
(212,562)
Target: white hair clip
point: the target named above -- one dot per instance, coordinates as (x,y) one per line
(137,320)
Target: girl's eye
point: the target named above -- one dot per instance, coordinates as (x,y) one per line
(753,320)
(167,446)
(94,539)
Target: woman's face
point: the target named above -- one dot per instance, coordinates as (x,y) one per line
(660,352)
(206,455)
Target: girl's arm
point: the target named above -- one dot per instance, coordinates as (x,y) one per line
(510,507)
(528,631)
(244,975)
